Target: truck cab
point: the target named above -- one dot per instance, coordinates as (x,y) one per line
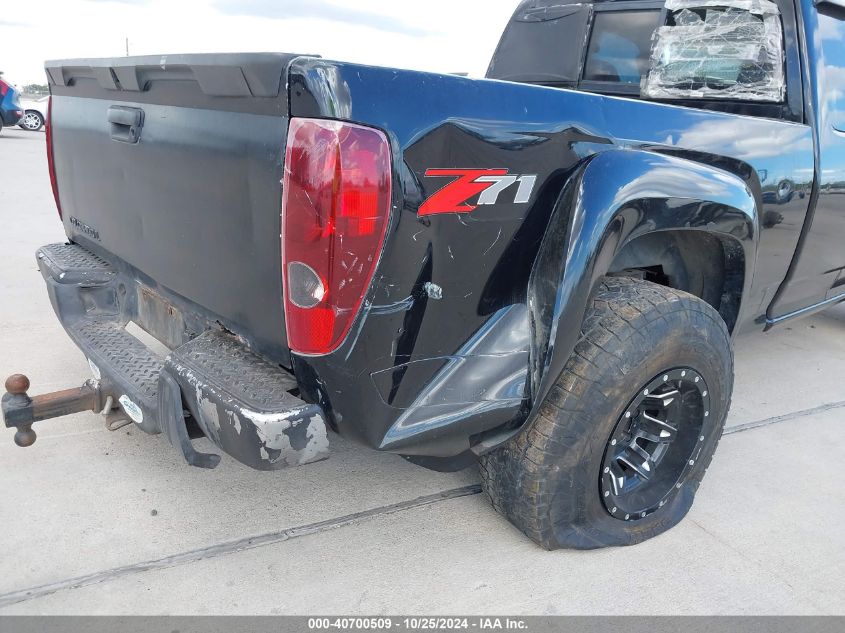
(611,52)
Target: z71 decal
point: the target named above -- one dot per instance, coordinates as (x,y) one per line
(487,184)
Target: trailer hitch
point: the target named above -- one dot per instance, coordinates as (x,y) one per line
(21,411)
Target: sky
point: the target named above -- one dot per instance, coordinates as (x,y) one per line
(434,35)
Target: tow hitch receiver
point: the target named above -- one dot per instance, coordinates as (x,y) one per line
(21,411)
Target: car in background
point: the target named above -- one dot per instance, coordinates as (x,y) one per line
(34,114)
(11,111)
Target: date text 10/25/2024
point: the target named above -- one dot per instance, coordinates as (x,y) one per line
(417,623)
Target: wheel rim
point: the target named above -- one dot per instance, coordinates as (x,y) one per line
(655,444)
(31,121)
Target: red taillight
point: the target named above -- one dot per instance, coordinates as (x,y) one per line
(335,210)
(4,88)
(48,131)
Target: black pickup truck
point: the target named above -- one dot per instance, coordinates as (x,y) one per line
(541,271)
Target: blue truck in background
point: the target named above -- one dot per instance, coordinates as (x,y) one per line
(11,111)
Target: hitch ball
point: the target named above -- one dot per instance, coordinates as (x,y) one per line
(17,386)
(25,436)
(21,411)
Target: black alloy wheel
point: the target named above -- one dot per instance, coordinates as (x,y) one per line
(655,444)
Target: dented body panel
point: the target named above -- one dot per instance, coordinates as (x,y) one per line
(609,170)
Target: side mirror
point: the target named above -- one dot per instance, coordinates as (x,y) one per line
(733,51)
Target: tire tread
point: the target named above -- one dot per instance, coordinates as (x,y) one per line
(518,477)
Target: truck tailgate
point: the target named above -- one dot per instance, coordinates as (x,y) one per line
(173,165)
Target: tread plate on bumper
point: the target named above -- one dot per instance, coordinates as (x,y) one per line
(72,264)
(128,368)
(243,404)
(233,368)
(123,353)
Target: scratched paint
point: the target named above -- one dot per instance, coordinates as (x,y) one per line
(282,438)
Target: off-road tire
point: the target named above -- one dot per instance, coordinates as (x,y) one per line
(546,479)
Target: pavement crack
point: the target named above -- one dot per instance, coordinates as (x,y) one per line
(739,428)
(270,538)
(229,547)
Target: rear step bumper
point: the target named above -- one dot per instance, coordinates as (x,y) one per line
(243,403)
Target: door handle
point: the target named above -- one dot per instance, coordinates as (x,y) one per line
(125,123)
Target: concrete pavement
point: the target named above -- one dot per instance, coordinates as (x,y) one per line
(113,522)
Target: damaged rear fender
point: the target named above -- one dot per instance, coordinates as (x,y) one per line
(616,197)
